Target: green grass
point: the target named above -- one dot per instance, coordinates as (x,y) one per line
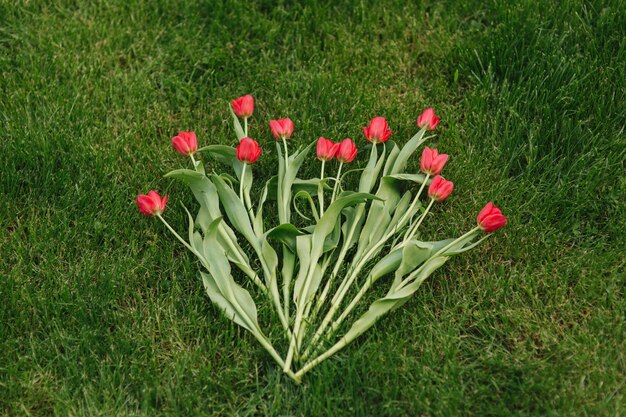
(102,312)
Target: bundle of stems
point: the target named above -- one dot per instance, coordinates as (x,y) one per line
(316,270)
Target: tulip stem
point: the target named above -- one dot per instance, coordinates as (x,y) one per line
(344,342)
(320,190)
(332,198)
(243,175)
(245,126)
(411,232)
(441,251)
(245,197)
(300,306)
(358,265)
(193,161)
(286,154)
(183,241)
(415,201)
(362,259)
(258,335)
(346,281)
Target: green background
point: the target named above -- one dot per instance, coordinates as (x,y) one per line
(102,312)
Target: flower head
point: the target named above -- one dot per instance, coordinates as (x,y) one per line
(432,162)
(281,129)
(378,130)
(491,218)
(326,149)
(440,188)
(151,204)
(428,118)
(185,143)
(243,106)
(346,151)
(248,150)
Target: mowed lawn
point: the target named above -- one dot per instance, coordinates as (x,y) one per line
(102,311)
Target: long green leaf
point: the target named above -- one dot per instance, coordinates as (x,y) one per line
(306,196)
(400,210)
(227,155)
(220,283)
(370,173)
(407,151)
(328,221)
(391,159)
(416,178)
(258,218)
(285,233)
(379,214)
(303,250)
(352,215)
(206,194)
(237,124)
(203,189)
(286,177)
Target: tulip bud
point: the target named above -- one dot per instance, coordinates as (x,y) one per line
(248,151)
(378,130)
(491,218)
(243,106)
(281,129)
(151,204)
(326,149)
(432,162)
(428,118)
(440,188)
(185,143)
(346,152)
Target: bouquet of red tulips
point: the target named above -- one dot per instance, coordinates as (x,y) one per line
(329,246)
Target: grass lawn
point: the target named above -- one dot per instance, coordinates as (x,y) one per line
(102,311)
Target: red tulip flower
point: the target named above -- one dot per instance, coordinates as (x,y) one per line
(281,129)
(428,118)
(248,150)
(432,162)
(326,149)
(243,106)
(491,218)
(378,130)
(151,204)
(440,188)
(185,143)
(346,152)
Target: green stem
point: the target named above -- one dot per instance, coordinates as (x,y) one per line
(349,279)
(300,311)
(343,342)
(286,154)
(415,201)
(183,241)
(332,198)
(330,352)
(270,349)
(320,190)
(245,128)
(243,175)
(346,282)
(352,230)
(411,232)
(306,318)
(245,196)
(193,161)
